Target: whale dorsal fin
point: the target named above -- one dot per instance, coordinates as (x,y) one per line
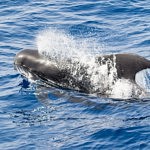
(127,65)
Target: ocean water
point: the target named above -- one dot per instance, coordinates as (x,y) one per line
(37,117)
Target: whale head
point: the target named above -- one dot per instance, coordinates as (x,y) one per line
(30,61)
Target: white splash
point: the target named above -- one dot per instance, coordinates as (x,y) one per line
(76,54)
(59,46)
(125,89)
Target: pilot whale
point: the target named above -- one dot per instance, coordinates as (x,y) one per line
(30,61)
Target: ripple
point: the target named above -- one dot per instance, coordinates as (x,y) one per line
(65,119)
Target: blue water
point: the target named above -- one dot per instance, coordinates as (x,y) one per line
(33,117)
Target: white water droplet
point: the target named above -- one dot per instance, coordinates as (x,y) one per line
(76,54)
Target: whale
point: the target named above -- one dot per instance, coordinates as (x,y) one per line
(31,62)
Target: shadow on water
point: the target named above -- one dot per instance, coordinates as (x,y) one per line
(67,105)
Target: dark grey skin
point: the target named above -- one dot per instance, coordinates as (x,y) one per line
(127,66)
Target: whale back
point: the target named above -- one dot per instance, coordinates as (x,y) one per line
(127,65)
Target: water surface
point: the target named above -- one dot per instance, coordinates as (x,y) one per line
(34,117)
